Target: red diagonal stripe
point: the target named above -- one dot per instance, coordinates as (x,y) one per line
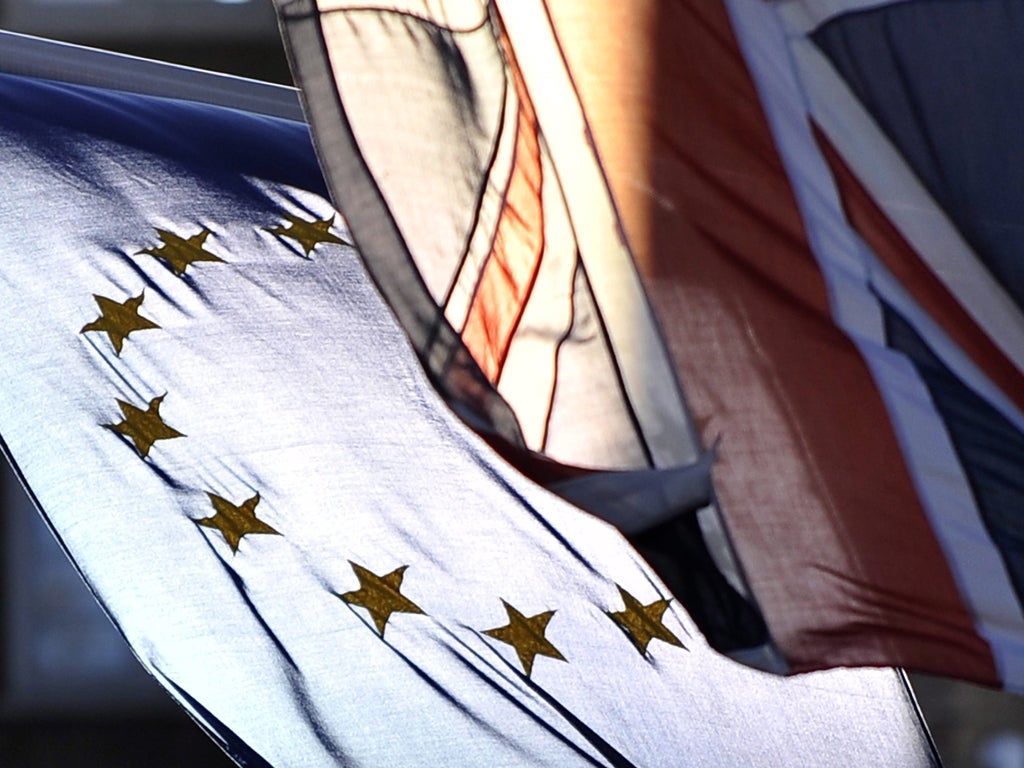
(511,267)
(906,265)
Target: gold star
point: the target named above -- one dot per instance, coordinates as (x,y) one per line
(143,427)
(642,623)
(308,234)
(380,595)
(180,252)
(233,521)
(118,320)
(526,635)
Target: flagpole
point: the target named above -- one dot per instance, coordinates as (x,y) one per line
(51,60)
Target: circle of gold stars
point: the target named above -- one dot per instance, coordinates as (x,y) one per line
(526,635)
(380,596)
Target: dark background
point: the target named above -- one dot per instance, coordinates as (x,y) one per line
(71,694)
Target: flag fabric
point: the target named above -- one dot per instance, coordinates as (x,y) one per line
(773,245)
(227,432)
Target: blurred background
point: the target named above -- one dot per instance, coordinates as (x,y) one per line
(71,693)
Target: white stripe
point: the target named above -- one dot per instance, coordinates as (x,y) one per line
(847,267)
(647,373)
(945,493)
(492,205)
(531,369)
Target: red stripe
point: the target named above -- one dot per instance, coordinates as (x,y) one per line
(907,266)
(511,267)
(813,484)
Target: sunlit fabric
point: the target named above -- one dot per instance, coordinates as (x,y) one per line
(229,435)
(782,234)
